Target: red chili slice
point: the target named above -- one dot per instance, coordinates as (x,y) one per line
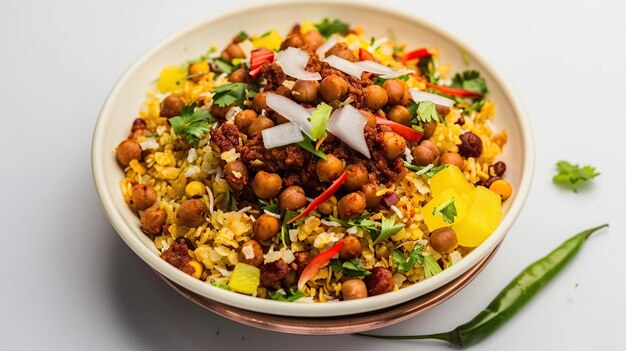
(454,91)
(322,197)
(415,54)
(407,133)
(259,57)
(318,262)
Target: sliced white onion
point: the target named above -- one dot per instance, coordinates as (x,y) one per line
(280,135)
(291,110)
(347,124)
(344,65)
(293,61)
(419,96)
(382,70)
(321,50)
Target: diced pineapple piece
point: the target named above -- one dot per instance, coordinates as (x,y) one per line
(306,26)
(436,221)
(170,77)
(483,217)
(449,178)
(245,278)
(270,40)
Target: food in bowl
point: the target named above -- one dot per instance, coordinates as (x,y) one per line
(320,166)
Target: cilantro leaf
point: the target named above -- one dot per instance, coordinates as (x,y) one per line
(307,144)
(430,173)
(265,205)
(470,80)
(406,264)
(423,112)
(328,28)
(291,296)
(193,123)
(389,228)
(223,66)
(284,229)
(230,201)
(572,176)
(319,119)
(242,36)
(233,93)
(362,222)
(379,81)
(447,210)
(427,66)
(431,267)
(350,268)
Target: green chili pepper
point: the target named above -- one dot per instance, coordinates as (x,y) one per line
(512,298)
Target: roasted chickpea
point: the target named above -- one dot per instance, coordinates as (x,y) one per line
(280,119)
(400,114)
(395,91)
(371,199)
(375,97)
(329,169)
(138,124)
(341,50)
(326,207)
(443,111)
(153,219)
(451,158)
(127,151)
(393,145)
(142,196)
(284,91)
(251,253)
(351,206)
(313,38)
(236,174)
(357,177)
(197,70)
(265,227)
(191,213)
(266,185)
(220,111)
(353,289)
(292,40)
(258,124)
(431,146)
(429,129)
(292,198)
(232,51)
(352,247)
(371,118)
(422,156)
(273,273)
(259,103)
(243,119)
(305,90)
(333,88)
(238,76)
(171,106)
(380,281)
(471,145)
(443,240)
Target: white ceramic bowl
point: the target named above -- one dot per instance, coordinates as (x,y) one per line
(129,93)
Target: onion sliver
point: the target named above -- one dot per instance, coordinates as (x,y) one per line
(321,51)
(291,110)
(293,61)
(280,135)
(382,70)
(347,124)
(419,96)
(344,65)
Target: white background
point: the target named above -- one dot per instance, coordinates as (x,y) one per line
(69,282)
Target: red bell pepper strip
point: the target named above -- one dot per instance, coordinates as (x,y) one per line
(322,197)
(259,57)
(415,54)
(407,133)
(318,262)
(454,91)
(365,55)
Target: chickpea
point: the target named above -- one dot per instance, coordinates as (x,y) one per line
(341,50)
(195,189)
(393,145)
(371,119)
(352,248)
(238,76)
(351,206)
(380,281)
(371,199)
(280,119)
(443,240)
(236,174)
(429,129)
(353,289)
(258,124)
(375,97)
(127,151)
(326,207)
(292,40)
(499,168)
(153,219)
(220,111)
(333,88)
(171,106)
(265,227)
(191,213)
(329,169)
(422,156)
(313,38)
(357,177)
(266,185)
(400,114)
(471,145)
(244,118)
(395,91)
(431,146)
(197,70)
(305,90)
(138,124)
(283,91)
(451,158)
(259,103)
(251,253)
(142,196)
(232,51)
(444,110)
(292,198)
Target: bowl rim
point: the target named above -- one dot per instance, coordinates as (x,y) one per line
(126,232)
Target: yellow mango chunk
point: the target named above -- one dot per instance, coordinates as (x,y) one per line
(449,178)
(170,78)
(483,216)
(306,26)
(436,221)
(245,278)
(270,40)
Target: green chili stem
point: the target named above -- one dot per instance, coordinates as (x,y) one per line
(440,336)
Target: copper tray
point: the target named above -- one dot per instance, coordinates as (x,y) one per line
(341,324)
